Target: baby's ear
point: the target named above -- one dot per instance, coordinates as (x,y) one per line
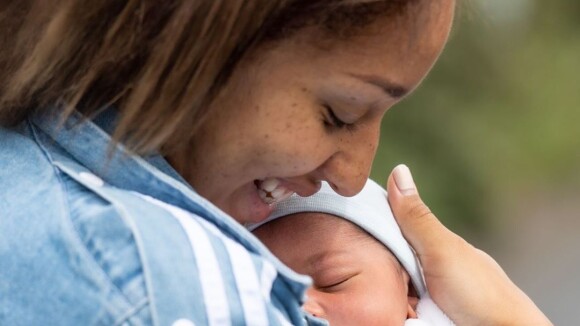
(411,307)
(412,301)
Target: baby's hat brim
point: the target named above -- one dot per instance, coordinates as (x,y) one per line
(369,210)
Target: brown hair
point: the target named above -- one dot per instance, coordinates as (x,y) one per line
(159,62)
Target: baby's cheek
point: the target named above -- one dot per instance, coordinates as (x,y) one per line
(386,307)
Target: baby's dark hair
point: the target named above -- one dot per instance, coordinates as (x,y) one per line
(160,63)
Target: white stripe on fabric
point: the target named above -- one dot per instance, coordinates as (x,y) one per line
(248,285)
(247,282)
(215,298)
(269,274)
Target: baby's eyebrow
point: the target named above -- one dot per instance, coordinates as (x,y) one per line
(324,258)
(317,258)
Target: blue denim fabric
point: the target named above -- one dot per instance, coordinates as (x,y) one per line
(79,247)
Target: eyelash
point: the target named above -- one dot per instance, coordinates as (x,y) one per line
(331,120)
(331,286)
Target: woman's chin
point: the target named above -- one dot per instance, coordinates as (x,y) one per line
(258,210)
(249,207)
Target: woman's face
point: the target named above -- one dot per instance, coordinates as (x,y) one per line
(307,109)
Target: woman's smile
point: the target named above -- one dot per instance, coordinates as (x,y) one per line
(272,190)
(267,193)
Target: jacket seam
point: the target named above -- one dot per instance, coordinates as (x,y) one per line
(132,312)
(65,200)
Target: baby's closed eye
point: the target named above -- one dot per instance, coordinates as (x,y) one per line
(333,281)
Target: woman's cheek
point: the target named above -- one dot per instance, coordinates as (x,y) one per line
(307,158)
(293,148)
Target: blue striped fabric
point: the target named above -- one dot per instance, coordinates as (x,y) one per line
(197,263)
(227,289)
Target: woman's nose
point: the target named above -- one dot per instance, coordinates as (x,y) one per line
(349,168)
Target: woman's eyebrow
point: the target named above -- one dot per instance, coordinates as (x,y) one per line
(393,90)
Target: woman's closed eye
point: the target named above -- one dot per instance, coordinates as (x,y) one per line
(331,120)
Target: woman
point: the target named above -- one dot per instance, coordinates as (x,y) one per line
(125,122)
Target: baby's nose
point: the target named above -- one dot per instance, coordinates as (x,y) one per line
(313,308)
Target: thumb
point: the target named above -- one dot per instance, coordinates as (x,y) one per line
(453,268)
(418,224)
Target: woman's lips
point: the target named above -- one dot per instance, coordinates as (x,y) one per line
(272,190)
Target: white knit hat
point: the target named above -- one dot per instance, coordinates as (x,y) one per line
(369,210)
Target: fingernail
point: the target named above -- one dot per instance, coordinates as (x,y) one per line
(404,180)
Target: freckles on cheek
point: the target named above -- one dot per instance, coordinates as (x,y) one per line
(305,159)
(287,160)
(291,144)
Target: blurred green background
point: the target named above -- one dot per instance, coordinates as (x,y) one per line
(493,140)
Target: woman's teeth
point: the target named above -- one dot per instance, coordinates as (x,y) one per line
(271,191)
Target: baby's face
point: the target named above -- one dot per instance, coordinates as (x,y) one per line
(357,281)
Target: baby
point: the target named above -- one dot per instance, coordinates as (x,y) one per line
(363,270)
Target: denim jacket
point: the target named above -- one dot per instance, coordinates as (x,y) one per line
(89,236)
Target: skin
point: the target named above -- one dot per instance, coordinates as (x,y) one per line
(356,279)
(453,267)
(272,118)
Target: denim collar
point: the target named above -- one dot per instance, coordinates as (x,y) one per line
(88,142)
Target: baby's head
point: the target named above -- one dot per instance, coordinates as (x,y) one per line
(363,270)
(356,280)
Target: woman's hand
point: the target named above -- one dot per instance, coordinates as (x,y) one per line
(464,281)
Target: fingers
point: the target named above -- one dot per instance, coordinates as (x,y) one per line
(453,268)
(418,224)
